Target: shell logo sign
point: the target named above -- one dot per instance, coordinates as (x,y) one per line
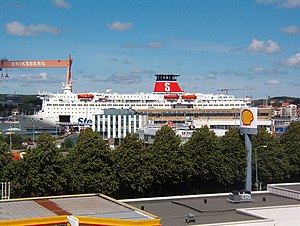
(248,117)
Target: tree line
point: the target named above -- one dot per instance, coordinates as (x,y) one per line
(204,164)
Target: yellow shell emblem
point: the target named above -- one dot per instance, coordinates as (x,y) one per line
(247,117)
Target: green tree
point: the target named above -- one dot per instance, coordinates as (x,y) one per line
(132,166)
(290,142)
(15,172)
(68,143)
(16,141)
(234,156)
(90,166)
(5,158)
(204,153)
(169,164)
(43,169)
(269,158)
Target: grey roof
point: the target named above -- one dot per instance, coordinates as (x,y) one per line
(93,205)
(294,187)
(96,207)
(21,210)
(207,209)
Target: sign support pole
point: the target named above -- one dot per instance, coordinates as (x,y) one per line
(248,146)
(248,127)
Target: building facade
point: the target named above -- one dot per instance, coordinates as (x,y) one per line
(114,124)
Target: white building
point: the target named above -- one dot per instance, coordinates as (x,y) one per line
(289,111)
(114,124)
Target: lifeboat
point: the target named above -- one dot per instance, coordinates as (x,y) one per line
(85,96)
(171,96)
(189,97)
(102,99)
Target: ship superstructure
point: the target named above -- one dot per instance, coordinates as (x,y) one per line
(70,108)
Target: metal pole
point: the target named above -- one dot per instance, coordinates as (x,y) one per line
(33,135)
(5,190)
(8,190)
(248,145)
(256,171)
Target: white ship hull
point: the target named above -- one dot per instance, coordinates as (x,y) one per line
(69,108)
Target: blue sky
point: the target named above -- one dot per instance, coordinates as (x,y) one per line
(250,47)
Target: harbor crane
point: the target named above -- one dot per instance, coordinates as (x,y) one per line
(5,63)
(226,89)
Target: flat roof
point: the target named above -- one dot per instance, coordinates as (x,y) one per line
(208,209)
(93,206)
(293,187)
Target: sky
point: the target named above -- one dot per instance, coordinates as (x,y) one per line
(250,47)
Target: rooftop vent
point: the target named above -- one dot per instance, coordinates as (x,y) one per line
(190,218)
(240,196)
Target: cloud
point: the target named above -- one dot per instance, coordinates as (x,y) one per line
(266,1)
(272,82)
(32,78)
(18,29)
(290,4)
(133,46)
(293,61)
(230,72)
(141,72)
(152,45)
(210,76)
(198,46)
(155,45)
(61,3)
(120,26)
(290,30)
(268,47)
(272,72)
(126,61)
(294,84)
(122,79)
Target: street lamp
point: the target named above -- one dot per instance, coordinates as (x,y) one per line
(257,183)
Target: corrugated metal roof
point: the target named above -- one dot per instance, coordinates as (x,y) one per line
(95,205)
(22,209)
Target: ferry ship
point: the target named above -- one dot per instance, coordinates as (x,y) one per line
(77,109)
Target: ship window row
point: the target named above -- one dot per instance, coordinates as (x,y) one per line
(117,123)
(110,105)
(199,114)
(193,114)
(138,105)
(166,121)
(220,105)
(230,126)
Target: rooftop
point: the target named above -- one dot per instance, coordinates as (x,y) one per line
(215,209)
(92,206)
